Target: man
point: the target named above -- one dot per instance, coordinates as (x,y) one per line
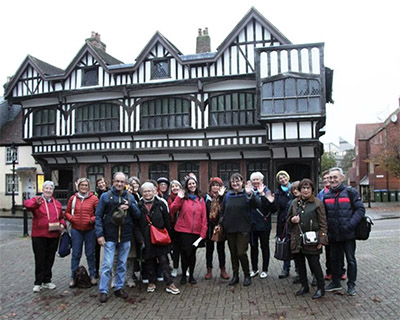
(344,211)
(261,224)
(328,276)
(114,232)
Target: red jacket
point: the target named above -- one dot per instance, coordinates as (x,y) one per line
(192,216)
(40,221)
(84,214)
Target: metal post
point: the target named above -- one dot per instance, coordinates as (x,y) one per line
(13,150)
(26,234)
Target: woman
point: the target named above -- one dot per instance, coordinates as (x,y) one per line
(236,222)
(45,210)
(163,186)
(155,211)
(101,187)
(191,225)
(80,212)
(214,199)
(175,186)
(282,198)
(307,213)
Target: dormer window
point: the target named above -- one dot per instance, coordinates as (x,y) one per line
(160,69)
(90,77)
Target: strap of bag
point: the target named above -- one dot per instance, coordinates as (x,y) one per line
(148,219)
(73,206)
(47,209)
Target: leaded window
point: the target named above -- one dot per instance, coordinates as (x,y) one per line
(93,173)
(11,184)
(44,123)
(291,96)
(160,69)
(233,109)
(226,169)
(96,118)
(157,170)
(185,168)
(90,76)
(165,113)
(121,168)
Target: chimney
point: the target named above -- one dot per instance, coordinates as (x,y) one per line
(203,43)
(95,40)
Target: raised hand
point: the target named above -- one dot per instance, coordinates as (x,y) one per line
(181,193)
(249,188)
(270,196)
(221,191)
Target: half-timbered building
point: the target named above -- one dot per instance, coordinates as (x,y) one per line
(257,103)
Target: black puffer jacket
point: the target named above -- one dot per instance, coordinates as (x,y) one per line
(344,210)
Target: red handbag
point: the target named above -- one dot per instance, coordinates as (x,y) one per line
(159,237)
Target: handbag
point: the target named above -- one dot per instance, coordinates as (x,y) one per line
(363,228)
(218,234)
(64,245)
(309,238)
(282,247)
(159,237)
(53,226)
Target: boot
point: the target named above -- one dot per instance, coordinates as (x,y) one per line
(208,274)
(234,280)
(247,281)
(224,275)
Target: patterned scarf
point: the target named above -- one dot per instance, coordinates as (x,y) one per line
(215,206)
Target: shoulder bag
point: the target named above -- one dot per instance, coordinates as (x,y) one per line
(159,237)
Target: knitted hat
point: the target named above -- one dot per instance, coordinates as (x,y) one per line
(163,180)
(176,182)
(217,180)
(282,172)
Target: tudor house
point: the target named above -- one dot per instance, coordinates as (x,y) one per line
(257,103)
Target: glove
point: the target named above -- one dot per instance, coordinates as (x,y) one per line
(196,243)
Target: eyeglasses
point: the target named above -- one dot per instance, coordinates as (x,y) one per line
(306,188)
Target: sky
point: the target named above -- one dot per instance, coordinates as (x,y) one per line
(362,40)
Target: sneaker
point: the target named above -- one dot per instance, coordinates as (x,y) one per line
(328,277)
(253,273)
(172,289)
(103,297)
(174,273)
(343,277)
(351,291)
(131,283)
(72,283)
(145,281)
(263,275)
(333,287)
(93,281)
(49,285)
(151,288)
(121,294)
(36,288)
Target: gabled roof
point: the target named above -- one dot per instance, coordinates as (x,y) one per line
(12,130)
(365,130)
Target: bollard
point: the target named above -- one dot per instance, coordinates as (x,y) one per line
(26,234)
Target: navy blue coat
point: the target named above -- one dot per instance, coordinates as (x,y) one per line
(344,210)
(103,225)
(261,216)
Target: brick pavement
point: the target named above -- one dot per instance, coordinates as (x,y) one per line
(378,288)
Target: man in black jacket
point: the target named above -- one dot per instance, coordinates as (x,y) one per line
(344,210)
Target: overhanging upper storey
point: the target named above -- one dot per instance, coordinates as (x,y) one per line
(291,82)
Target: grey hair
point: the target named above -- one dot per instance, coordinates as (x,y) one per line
(256,174)
(118,174)
(48,183)
(148,185)
(337,169)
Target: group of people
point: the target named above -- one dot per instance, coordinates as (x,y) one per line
(120,219)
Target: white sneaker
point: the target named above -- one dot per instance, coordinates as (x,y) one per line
(36,288)
(172,289)
(145,280)
(131,283)
(263,275)
(151,288)
(49,285)
(174,273)
(187,273)
(253,273)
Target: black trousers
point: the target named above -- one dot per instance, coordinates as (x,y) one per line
(328,263)
(263,238)
(315,267)
(188,252)
(163,263)
(44,250)
(238,244)
(210,245)
(176,252)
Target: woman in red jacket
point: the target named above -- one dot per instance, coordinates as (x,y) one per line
(80,212)
(46,210)
(191,225)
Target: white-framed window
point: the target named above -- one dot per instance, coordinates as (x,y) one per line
(10,184)
(11,154)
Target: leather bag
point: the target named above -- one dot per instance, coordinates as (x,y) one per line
(218,234)
(159,237)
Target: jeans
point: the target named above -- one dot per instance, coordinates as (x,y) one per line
(78,238)
(238,244)
(108,259)
(264,244)
(349,249)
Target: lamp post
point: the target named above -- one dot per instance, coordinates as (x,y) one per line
(13,154)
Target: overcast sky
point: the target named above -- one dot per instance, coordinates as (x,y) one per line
(362,40)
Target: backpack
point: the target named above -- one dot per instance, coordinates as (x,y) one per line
(363,229)
(118,215)
(82,278)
